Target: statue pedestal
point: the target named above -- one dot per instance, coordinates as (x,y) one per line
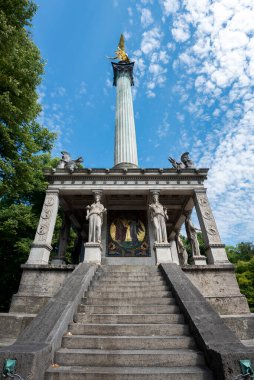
(199,260)
(93,253)
(163,253)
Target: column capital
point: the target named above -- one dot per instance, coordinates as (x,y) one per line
(123,68)
(154,192)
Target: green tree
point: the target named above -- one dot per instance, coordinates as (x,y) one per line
(242,256)
(22,139)
(24,144)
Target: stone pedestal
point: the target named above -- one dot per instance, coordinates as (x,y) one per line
(163,253)
(93,253)
(199,260)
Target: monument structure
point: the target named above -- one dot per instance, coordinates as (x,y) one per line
(128,215)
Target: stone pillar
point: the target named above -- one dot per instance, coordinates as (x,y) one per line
(41,246)
(125,134)
(63,241)
(215,250)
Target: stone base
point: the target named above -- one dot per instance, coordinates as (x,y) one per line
(39,254)
(242,325)
(218,285)
(57,261)
(217,254)
(38,284)
(93,253)
(12,325)
(199,260)
(163,253)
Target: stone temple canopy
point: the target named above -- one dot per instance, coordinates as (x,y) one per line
(105,306)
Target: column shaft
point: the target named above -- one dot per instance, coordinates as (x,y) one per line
(125,134)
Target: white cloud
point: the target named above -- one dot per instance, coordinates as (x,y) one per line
(146,17)
(163,129)
(58,92)
(221,61)
(169,6)
(82,88)
(151,40)
(180,30)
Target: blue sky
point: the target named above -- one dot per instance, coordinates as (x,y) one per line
(194,81)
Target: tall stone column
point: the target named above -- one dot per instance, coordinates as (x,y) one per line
(125,134)
(41,246)
(215,250)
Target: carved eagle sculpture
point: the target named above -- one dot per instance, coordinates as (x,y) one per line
(120,52)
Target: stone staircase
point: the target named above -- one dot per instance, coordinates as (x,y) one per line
(128,327)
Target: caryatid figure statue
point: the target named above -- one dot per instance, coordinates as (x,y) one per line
(192,235)
(158,217)
(95,216)
(182,253)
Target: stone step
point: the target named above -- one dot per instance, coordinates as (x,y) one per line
(127,318)
(129,301)
(134,276)
(101,293)
(129,309)
(136,282)
(128,287)
(130,358)
(128,329)
(136,271)
(135,268)
(128,373)
(127,342)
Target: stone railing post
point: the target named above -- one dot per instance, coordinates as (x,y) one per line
(41,246)
(215,250)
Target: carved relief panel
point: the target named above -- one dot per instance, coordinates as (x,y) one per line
(47,220)
(207,217)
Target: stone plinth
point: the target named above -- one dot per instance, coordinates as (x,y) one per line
(93,253)
(218,285)
(38,284)
(199,260)
(163,253)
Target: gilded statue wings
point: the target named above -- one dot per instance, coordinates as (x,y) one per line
(121,43)
(120,54)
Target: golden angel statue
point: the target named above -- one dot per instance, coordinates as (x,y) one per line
(120,52)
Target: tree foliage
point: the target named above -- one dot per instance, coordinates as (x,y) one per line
(22,139)
(24,144)
(242,256)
